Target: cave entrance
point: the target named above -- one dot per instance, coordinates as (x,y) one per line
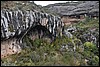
(39,32)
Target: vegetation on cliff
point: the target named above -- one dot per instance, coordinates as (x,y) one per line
(60,52)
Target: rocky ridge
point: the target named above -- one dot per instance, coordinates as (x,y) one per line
(74,8)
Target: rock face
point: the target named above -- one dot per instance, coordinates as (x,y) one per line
(75,8)
(10,46)
(17,20)
(15,24)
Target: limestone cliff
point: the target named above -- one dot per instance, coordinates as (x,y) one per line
(74,8)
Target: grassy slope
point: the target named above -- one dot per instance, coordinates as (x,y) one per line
(43,53)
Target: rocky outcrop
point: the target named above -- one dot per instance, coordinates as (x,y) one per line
(75,8)
(16,24)
(18,18)
(13,23)
(10,46)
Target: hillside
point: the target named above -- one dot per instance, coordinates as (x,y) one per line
(73,8)
(59,9)
(78,45)
(23,5)
(75,50)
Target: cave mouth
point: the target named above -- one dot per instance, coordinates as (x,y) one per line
(40,32)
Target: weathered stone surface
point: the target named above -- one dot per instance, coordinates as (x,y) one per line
(74,8)
(13,23)
(10,46)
